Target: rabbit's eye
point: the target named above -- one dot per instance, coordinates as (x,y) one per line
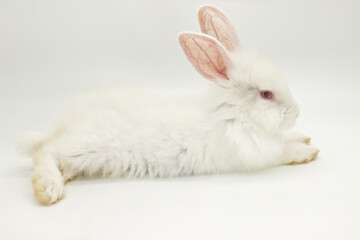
(266,94)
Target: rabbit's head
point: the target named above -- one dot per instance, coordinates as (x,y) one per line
(248,88)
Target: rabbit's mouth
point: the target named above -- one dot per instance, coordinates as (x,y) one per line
(288,119)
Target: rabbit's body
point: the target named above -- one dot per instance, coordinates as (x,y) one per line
(156,135)
(130,133)
(242,124)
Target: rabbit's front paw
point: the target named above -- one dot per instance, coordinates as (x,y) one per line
(302,153)
(48,188)
(298,137)
(303,138)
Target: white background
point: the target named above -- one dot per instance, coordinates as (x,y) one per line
(50,50)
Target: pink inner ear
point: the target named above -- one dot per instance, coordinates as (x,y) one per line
(216,24)
(205,55)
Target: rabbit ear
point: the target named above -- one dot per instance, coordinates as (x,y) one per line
(216,24)
(207,55)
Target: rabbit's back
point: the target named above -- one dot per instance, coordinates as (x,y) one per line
(134,106)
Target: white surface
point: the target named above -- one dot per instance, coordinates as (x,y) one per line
(49,51)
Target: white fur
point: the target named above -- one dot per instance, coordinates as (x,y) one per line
(137,133)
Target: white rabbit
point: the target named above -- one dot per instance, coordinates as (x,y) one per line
(242,124)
